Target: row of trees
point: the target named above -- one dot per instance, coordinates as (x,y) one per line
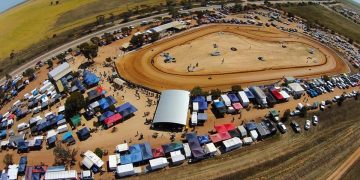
(215,93)
(139,40)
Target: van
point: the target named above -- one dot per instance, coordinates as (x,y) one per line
(22,126)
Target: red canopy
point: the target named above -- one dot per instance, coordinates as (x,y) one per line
(11,116)
(221,136)
(220,128)
(215,138)
(237,106)
(277,94)
(112,119)
(158,152)
(224,136)
(229,126)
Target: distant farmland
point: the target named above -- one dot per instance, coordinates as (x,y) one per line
(327,18)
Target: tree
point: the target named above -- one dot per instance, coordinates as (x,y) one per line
(154,36)
(340,100)
(173,12)
(237,7)
(109,38)
(326,78)
(89,50)
(8,160)
(196,91)
(100,19)
(236,88)
(64,155)
(215,93)
(199,14)
(8,76)
(286,115)
(108,59)
(61,56)
(95,40)
(29,72)
(126,30)
(74,104)
(50,63)
(99,152)
(303,112)
(137,40)
(126,15)
(351,41)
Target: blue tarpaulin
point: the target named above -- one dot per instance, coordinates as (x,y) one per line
(126,109)
(51,140)
(90,79)
(83,133)
(172,147)
(43,126)
(135,153)
(38,143)
(203,139)
(199,99)
(22,165)
(103,104)
(196,150)
(219,104)
(105,115)
(250,126)
(233,98)
(146,151)
(203,105)
(66,136)
(60,117)
(125,159)
(22,146)
(79,85)
(2,134)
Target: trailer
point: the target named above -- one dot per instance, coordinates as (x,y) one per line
(232,144)
(158,163)
(260,96)
(226,100)
(125,170)
(244,100)
(242,130)
(194,119)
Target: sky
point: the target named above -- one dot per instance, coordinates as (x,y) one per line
(6,4)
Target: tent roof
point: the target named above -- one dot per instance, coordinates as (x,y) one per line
(172,147)
(76,120)
(233,98)
(60,71)
(158,152)
(220,128)
(105,115)
(126,109)
(229,126)
(237,106)
(112,119)
(173,107)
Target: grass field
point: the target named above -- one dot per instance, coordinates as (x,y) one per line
(327,18)
(37,20)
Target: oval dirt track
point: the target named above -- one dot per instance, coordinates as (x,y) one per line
(137,67)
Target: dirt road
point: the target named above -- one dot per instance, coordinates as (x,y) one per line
(346,165)
(138,68)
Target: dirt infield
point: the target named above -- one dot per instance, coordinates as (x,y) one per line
(146,66)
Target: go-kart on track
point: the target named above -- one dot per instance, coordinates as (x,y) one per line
(146,66)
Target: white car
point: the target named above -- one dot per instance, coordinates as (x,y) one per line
(315,120)
(307,125)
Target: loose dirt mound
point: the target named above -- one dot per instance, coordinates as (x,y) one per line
(147,67)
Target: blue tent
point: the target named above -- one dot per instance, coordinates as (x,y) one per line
(2,134)
(83,133)
(66,136)
(135,153)
(233,98)
(250,126)
(111,100)
(22,165)
(105,115)
(204,139)
(3,124)
(146,151)
(79,85)
(202,117)
(196,150)
(22,146)
(38,143)
(43,126)
(126,109)
(51,140)
(125,159)
(172,147)
(249,94)
(90,79)
(60,117)
(203,105)
(103,103)
(199,99)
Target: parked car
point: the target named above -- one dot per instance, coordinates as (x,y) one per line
(307,125)
(282,128)
(315,120)
(295,113)
(295,126)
